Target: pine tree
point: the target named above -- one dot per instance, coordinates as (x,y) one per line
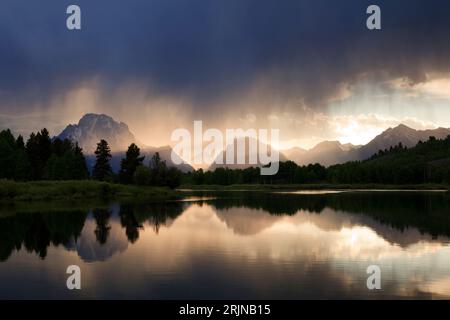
(79,170)
(102,167)
(130,163)
(7,150)
(45,146)
(32,150)
(158,170)
(20,144)
(39,149)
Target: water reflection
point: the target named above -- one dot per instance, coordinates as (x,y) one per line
(96,234)
(35,232)
(235,245)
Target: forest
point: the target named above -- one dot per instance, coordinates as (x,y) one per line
(44,158)
(427,162)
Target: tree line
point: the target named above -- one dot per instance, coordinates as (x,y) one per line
(43,158)
(427,162)
(40,158)
(288,173)
(133,170)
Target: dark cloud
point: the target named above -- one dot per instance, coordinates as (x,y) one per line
(210,50)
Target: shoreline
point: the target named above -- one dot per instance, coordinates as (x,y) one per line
(11,191)
(320,187)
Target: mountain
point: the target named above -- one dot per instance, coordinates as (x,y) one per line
(426,162)
(93,127)
(333,152)
(326,153)
(222,155)
(393,136)
(295,153)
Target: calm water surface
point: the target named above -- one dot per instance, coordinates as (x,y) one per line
(248,245)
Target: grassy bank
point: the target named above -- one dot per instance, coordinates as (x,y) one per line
(324,186)
(72,190)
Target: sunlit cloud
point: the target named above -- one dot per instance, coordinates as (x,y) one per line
(314,127)
(434,87)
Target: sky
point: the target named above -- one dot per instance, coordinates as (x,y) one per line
(310,68)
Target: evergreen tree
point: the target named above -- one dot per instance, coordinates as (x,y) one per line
(79,169)
(60,147)
(130,163)
(40,158)
(66,162)
(20,144)
(38,150)
(158,170)
(22,170)
(161,175)
(102,167)
(32,150)
(7,150)
(45,146)
(173,178)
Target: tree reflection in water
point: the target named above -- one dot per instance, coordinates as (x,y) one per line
(37,230)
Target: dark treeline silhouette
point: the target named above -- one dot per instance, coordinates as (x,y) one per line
(427,162)
(40,158)
(289,172)
(43,158)
(133,170)
(157,174)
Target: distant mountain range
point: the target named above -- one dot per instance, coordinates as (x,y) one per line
(333,152)
(221,158)
(329,153)
(326,153)
(93,127)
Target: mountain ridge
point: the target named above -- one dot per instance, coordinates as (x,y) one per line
(92,127)
(221,157)
(333,152)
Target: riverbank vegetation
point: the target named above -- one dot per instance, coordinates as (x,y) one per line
(78,189)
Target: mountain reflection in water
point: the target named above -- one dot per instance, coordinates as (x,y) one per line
(232,245)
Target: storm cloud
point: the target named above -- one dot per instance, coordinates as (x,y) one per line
(217,57)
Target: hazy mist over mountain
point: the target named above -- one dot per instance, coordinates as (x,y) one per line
(93,127)
(333,152)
